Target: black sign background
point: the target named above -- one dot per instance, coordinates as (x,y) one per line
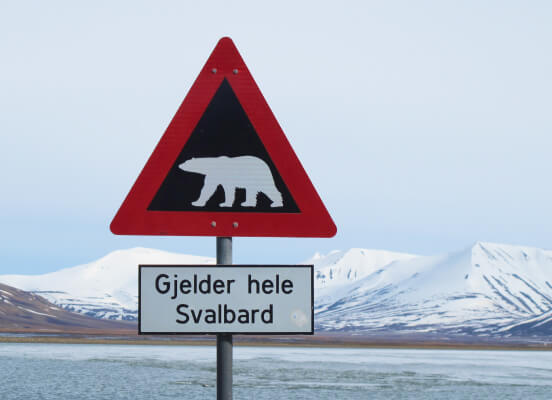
(223,130)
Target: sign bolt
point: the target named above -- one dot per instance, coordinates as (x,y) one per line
(235,224)
(213,224)
(235,71)
(214,70)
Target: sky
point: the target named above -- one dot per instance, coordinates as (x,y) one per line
(424,126)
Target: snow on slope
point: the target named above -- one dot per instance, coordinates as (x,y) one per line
(22,311)
(342,267)
(475,290)
(540,325)
(106,288)
(484,289)
(334,272)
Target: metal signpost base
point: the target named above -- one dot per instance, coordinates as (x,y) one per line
(224,340)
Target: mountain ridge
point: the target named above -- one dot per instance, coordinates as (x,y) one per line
(22,311)
(483,289)
(475,290)
(105,288)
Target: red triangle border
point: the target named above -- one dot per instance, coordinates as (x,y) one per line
(133,218)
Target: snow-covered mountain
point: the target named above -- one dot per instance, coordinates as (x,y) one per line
(22,311)
(484,289)
(340,268)
(106,288)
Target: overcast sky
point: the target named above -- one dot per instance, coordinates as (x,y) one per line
(424,125)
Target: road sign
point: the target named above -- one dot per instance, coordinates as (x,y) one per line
(243,299)
(223,167)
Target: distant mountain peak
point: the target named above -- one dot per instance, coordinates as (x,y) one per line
(341,267)
(106,288)
(485,288)
(506,254)
(477,289)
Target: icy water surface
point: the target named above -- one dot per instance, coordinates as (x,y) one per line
(63,371)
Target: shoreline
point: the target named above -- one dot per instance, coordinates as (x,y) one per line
(256,342)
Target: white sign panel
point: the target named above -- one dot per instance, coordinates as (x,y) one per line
(244,299)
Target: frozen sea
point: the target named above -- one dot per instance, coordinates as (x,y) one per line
(67,371)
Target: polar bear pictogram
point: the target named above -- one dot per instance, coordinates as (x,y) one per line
(243,172)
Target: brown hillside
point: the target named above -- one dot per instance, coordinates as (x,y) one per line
(26,312)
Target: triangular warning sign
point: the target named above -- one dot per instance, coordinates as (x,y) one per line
(223,167)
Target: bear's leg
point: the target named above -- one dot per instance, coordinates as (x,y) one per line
(229,195)
(274,195)
(250,198)
(208,189)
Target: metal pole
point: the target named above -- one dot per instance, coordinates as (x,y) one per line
(224,341)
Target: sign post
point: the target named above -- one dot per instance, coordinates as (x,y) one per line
(224,340)
(224,168)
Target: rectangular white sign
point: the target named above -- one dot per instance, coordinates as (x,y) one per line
(245,299)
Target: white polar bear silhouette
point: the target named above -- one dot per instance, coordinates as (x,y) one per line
(244,172)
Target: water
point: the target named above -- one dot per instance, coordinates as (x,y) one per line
(66,371)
